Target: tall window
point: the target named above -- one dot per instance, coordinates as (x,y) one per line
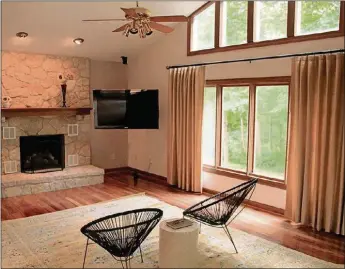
(209,126)
(252,135)
(270,130)
(235,105)
(226,25)
(203,29)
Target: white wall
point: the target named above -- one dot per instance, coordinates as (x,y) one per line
(149,71)
(109,148)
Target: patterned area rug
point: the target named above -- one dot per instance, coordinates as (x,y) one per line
(54,241)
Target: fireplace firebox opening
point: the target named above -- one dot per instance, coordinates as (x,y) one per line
(42,153)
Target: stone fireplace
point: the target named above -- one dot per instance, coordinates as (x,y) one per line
(35,143)
(42,153)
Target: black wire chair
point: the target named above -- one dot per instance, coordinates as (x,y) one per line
(122,234)
(219,210)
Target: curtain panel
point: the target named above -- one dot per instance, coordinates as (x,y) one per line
(315,167)
(186,99)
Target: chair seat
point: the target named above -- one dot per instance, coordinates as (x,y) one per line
(121,234)
(219,210)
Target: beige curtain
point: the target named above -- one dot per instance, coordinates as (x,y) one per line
(315,168)
(186,99)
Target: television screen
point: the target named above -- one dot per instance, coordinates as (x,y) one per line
(126,109)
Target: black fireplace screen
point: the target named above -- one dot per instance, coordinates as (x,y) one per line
(42,153)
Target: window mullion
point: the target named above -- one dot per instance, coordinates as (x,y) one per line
(250,22)
(291,19)
(342,17)
(219,125)
(217,26)
(251,131)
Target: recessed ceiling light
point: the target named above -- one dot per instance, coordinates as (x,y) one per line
(78,41)
(21,34)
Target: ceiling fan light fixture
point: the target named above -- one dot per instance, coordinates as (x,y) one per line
(127,30)
(147,28)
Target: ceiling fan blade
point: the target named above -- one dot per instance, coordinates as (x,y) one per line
(169,19)
(100,20)
(120,29)
(160,27)
(130,12)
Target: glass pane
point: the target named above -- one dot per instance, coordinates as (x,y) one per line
(203,29)
(270,130)
(234,23)
(235,127)
(209,127)
(317,16)
(270,20)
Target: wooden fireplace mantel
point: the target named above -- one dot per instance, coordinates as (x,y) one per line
(30,111)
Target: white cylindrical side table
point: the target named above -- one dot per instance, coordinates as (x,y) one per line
(178,248)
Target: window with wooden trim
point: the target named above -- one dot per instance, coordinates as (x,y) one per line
(245,127)
(227,25)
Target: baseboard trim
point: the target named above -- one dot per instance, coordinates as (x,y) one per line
(254,204)
(157,178)
(148,175)
(116,169)
(143,174)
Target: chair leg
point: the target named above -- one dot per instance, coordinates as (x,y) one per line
(87,244)
(128,263)
(229,235)
(141,254)
(200,228)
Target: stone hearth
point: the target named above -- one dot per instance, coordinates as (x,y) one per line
(25,184)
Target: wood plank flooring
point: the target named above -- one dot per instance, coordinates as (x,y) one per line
(272,227)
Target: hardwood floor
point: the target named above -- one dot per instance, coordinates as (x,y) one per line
(272,227)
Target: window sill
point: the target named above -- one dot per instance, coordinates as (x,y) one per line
(262,181)
(269,42)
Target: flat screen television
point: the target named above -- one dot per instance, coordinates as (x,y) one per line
(126,109)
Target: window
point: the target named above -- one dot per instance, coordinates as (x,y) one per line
(235,105)
(270,130)
(203,29)
(270,20)
(234,13)
(228,25)
(249,136)
(209,126)
(317,16)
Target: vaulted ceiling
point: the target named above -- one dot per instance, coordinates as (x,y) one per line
(52,26)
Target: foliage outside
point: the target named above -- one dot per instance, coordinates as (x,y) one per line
(317,16)
(203,29)
(234,21)
(270,129)
(270,21)
(235,127)
(209,126)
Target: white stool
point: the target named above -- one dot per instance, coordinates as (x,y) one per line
(178,248)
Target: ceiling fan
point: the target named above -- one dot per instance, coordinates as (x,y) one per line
(139,21)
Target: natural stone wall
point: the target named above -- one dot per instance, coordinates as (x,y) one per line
(46,126)
(31,80)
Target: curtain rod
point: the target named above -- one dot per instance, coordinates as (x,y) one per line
(258,58)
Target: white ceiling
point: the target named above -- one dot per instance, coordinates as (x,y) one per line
(52,26)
